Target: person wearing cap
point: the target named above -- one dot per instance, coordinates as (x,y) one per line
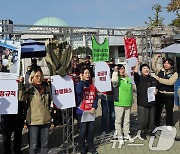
(123,98)
(166,77)
(146,109)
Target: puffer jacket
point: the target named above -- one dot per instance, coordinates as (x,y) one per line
(38,110)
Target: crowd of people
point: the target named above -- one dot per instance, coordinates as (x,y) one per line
(35,104)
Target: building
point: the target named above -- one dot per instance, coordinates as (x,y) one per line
(148,39)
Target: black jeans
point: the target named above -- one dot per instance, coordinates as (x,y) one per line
(86,133)
(168,101)
(12,123)
(107,113)
(146,118)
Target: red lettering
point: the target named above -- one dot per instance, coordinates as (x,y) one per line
(56,92)
(1,93)
(61,91)
(13,93)
(7,93)
(66,90)
(70,90)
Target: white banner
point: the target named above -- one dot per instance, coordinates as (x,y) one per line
(10,57)
(8,97)
(102,76)
(131,63)
(63,92)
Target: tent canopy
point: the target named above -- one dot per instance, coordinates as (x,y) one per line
(32,48)
(174,48)
(5,45)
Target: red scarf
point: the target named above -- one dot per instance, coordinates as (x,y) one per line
(40,88)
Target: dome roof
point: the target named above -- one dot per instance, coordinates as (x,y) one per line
(50,21)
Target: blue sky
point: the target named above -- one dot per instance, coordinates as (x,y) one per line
(84,13)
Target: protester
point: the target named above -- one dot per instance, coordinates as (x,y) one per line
(111,65)
(6,61)
(13,123)
(38,118)
(165,97)
(75,65)
(30,69)
(75,69)
(108,113)
(123,96)
(107,105)
(87,64)
(86,100)
(146,109)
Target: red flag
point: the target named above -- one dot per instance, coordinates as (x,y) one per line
(130,47)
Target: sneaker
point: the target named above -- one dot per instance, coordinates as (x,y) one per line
(152,134)
(169,128)
(143,135)
(128,138)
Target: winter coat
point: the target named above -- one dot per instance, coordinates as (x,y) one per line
(79,91)
(142,85)
(167,78)
(38,110)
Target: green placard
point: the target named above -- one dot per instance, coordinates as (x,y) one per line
(100,52)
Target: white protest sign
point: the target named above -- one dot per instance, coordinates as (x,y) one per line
(63,92)
(102,76)
(11,52)
(150,93)
(8,97)
(131,63)
(87,116)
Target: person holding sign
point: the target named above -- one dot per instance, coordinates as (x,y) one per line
(123,96)
(86,101)
(13,123)
(146,109)
(165,97)
(38,96)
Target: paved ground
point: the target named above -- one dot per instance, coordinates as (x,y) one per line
(139,146)
(105,145)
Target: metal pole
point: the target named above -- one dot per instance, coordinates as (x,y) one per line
(178,131)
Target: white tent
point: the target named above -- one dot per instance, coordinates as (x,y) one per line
(174,48)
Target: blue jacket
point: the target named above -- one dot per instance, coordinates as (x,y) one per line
(79,89)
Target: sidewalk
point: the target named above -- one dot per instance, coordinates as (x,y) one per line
(143,146)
